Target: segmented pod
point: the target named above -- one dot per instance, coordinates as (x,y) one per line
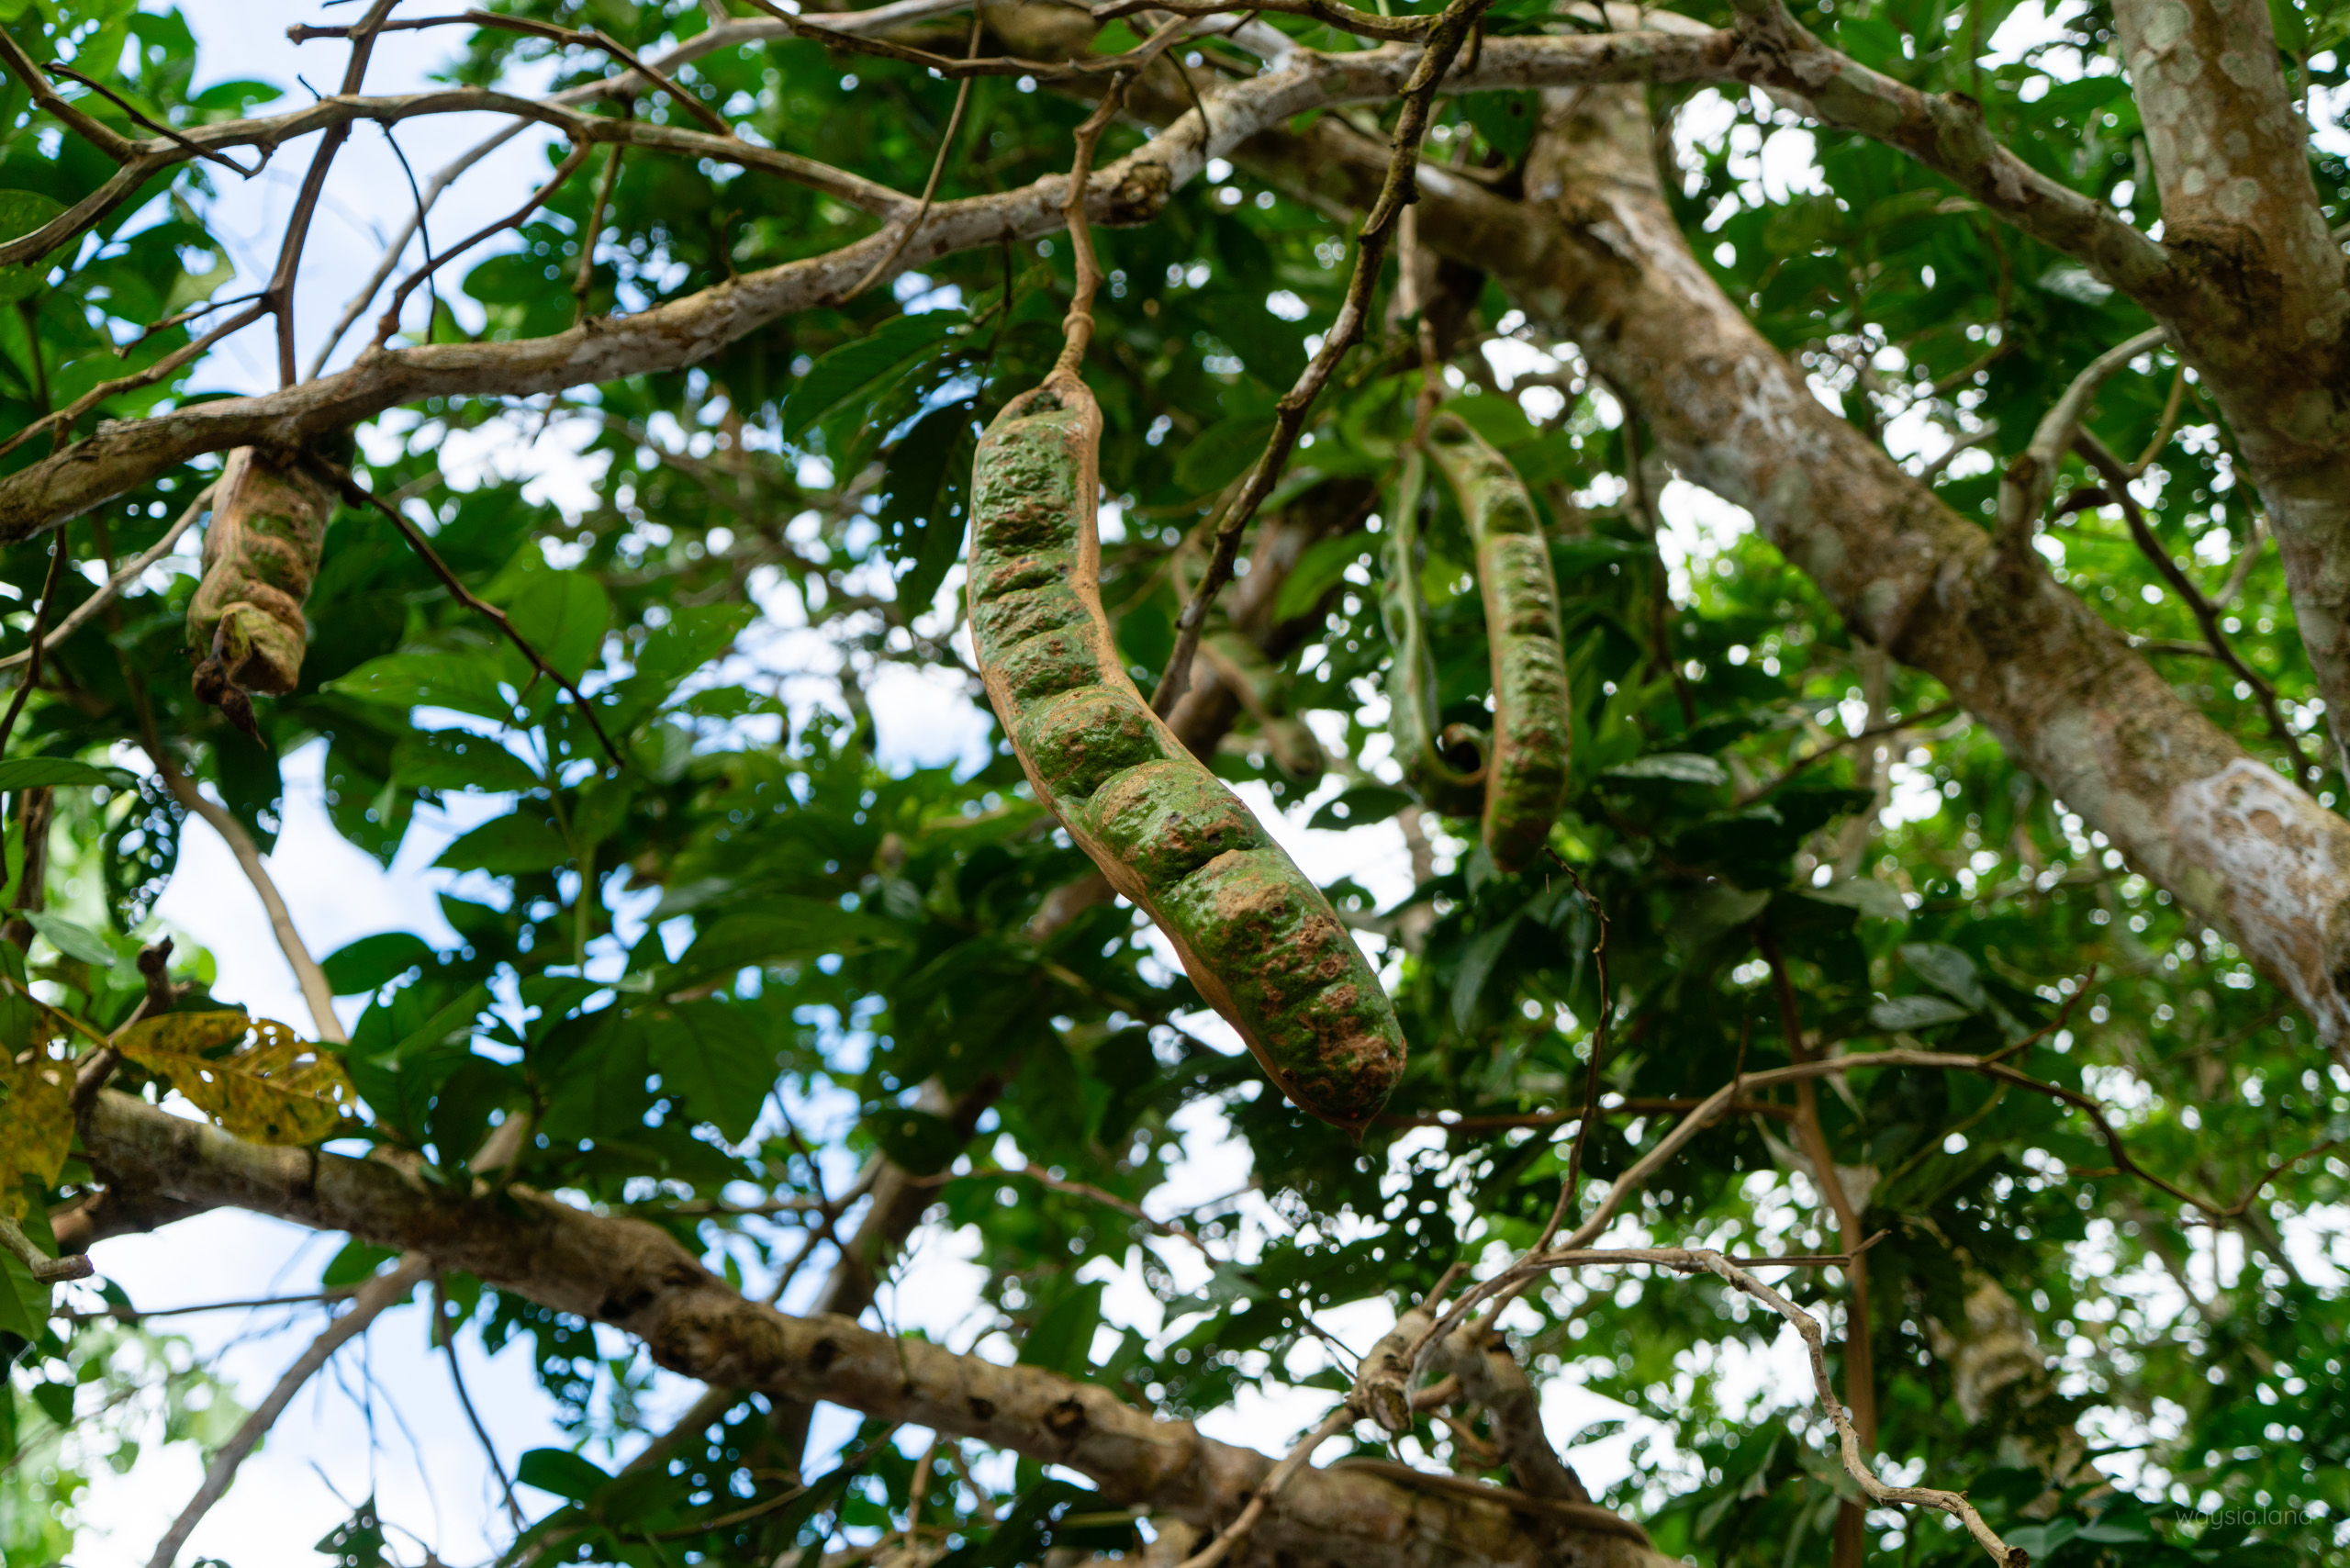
(1259,939)
(1526,770)
(1412,708)
(261,553)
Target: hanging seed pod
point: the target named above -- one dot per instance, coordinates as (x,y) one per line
(261,555)
(1425,755)
(1258,938)
(1526,773)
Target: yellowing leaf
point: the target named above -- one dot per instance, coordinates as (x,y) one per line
(36,1123)
(257,1078)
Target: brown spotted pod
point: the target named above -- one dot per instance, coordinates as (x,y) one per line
(1258,938)
(261,555)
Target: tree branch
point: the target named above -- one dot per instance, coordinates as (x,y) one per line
(379,1294)
(637,1278)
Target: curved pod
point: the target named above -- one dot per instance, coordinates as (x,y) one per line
(1411,707)
(1258,938)
(1526,771)
(261,553)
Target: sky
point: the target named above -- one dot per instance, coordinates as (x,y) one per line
(386,1422)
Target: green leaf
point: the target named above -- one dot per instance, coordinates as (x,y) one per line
(559,1471)
(1222,453)
(1675,767)
(1476,964)
(916,1141)
(374,962)
(780,931)
(564,616)
(73,941)
(1499,419)
(848,370)
(507,847)
(1061,1339)
(921,514)
(1948,970)
(454,759)
(1317,573)
(1506,121)
(464,682)
(694,635)
(21,213)
(1361,806)
(61,773)
(1866,894)
(720,1056)
(1907,1013)
(24,1301)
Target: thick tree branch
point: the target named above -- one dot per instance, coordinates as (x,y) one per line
(1133,189)
(1600,260)
(635,1277)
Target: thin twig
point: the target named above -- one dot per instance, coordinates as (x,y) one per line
(157,126)
(1330,13)
(389,322)
(1232,1534)
(443,1330)
(166,365)
(40,1264)
(2207,615)
(88,608)
(2023,488)
(39,644)
(1077,326)
(1075,1189)
(383,1292)
(138,1315)
(104,137)
(354,492)
(937,168)
(1399,190)
(1874,732)
(316,992)
(280,290)
(586,278)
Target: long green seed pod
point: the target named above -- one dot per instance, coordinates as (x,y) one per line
(1411,710)
(1526,781)
(1259,939)
(261,553)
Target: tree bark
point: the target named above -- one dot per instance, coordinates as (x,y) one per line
(637,1278)
(1594,255)
(2270,336)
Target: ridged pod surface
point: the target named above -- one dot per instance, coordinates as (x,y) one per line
(1259,939)
(261,555)
(1526,770)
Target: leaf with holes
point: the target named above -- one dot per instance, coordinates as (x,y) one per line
(256,1078)
(36,1124)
